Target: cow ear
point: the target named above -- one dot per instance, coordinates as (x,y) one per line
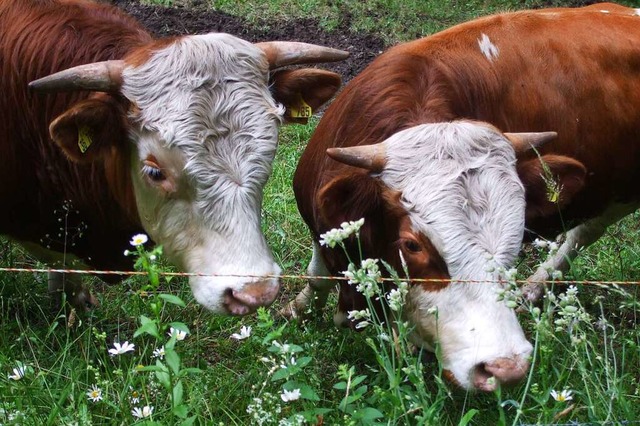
(90,128)
(348,197)
(550,182)
(303,91)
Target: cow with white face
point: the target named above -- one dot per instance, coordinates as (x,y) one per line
(432,145)
(173,136)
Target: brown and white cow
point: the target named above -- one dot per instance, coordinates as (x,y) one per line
(415,146)
(176,136)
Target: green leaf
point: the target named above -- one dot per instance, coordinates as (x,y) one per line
(340,386)
(357,380)
(189,370)
(147,326)
(174,300)
(162,374)
(273,335)
(464,421)
(283,373)
(177,396)
(303,362)
(367,414)
(173,360)
(188,422)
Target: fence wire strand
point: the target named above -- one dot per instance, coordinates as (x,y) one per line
(314,277)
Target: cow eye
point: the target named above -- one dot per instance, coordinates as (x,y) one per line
(153,171)
(412,246)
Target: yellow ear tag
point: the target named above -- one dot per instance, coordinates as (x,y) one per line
(301,110)
(84,140)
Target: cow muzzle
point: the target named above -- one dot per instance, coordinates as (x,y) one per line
(251,296)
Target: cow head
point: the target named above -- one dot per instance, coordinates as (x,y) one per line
(451,198)
(193,124)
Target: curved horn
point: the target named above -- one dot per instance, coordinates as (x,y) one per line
(523,142)
(370,157)
(283,53)
(99,76)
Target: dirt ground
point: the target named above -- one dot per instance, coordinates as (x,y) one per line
(167,21)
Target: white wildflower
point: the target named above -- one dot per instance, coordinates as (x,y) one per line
(245,332)
(540,243)
(142,413)
(564,396)
(138,240)
(178,334)
(337,235)
(288,396)
(359,315)
(282,347)
(119,349)
(397,296)
(362,324)
(94,394)
(158,352)
(18,373)
(134,398)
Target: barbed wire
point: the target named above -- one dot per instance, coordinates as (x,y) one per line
(314,277)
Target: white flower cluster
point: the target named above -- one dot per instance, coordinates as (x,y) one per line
(337,235)
(367,277)
(264,410)
(544,244)
(510,293)
(363,317)
(397,296)
(571,314)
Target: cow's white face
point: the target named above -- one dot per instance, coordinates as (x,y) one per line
(205,131)
(461,191)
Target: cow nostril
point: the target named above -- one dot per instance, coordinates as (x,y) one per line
(483,379)
(250,297)
(502,371)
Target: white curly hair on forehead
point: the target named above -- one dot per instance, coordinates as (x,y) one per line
(461,189)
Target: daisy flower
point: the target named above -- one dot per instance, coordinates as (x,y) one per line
(158,352)
(178,334)
(135,396)
(138,240)
(142,413)
(290,395)
(121,349)
(245,332)
(563,396)
(94,394)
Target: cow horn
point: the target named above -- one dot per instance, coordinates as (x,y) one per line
(283,53)
(370,157)
(99,76)
(523,142)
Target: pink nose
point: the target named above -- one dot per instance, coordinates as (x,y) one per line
(502,371)
(251,297)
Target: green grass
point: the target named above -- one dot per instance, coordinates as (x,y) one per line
(392,20)
(599,360)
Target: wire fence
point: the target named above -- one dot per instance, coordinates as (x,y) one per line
(309,277)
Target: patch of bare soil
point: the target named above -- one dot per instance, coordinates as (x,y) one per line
(171,21)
